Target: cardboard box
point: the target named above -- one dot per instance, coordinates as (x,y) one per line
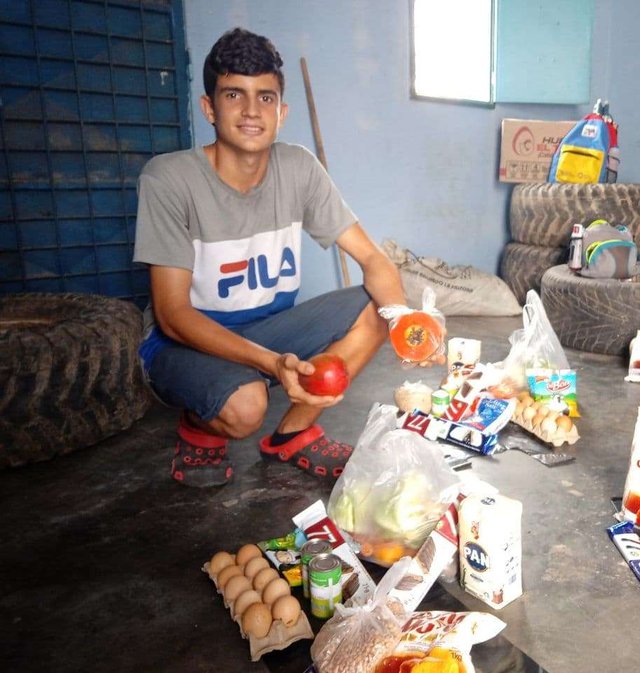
(527,148)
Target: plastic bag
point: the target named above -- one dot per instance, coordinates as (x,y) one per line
(393,490)
(535,346)
(416,336)
(355,639)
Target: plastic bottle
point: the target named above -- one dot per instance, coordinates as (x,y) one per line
(631,495)
(575,248)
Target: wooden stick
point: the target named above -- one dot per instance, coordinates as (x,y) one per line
(320,153)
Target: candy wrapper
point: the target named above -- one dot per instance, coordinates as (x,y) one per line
(416,336)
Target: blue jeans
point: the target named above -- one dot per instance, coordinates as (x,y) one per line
(189,379)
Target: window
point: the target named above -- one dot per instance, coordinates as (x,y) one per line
(453,49)
(487,51)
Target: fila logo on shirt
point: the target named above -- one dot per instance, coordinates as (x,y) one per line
(255,272)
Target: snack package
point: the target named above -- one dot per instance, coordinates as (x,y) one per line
(355,639)
(462,357)
(284,554)
(393,491)
(416,336)
(440,642)
(432,559)
(433,428)
(626,539)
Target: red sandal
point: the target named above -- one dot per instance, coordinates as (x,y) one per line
(311,451)
(200,458)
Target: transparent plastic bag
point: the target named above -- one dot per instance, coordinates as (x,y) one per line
(416,336)
(393,491)
(355,639)
(534,346)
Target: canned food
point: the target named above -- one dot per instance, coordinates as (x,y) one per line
(325,575)
(307,552)
(439,402)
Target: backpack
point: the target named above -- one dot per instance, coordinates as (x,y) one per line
(608,251)
(583,155)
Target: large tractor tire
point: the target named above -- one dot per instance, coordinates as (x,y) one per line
(542,213)
(70,373)
(522,266)
(591,314)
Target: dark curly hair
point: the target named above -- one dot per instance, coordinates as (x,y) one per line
(241,52)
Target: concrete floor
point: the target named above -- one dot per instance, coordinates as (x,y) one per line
(101,551)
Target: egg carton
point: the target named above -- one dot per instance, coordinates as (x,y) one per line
(279,636)
(555,439)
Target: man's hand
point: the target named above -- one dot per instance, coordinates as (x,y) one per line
(288,369)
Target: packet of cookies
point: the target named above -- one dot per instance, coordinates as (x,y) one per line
(440,642)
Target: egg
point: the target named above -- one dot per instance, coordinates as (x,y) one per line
(564,423)
(526,399)
(235,586)
(263,577)
(253,566)
(536,420)
(528,413)
(286,609)
(276,588)
(256,620)
(226,574)
(543,409)
(246,553)
(244,600)
(548,426)
(218,561)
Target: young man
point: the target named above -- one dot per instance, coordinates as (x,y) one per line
(220,228)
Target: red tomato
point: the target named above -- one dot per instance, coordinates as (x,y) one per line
(329,378)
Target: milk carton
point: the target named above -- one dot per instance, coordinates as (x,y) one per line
(490,548)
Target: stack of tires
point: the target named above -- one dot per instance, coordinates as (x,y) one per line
(590,314)
(541,216)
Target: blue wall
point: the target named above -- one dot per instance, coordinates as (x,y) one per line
(423,173)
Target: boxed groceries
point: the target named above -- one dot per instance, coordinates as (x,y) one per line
(527,147)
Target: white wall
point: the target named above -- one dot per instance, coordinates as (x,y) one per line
(423,173)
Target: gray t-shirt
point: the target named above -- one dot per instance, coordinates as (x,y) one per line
(243,249)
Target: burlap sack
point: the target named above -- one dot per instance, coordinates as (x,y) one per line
(460,290)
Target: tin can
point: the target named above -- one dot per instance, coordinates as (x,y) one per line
(575,248)
(325,574)
(307,552)
(439,402)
